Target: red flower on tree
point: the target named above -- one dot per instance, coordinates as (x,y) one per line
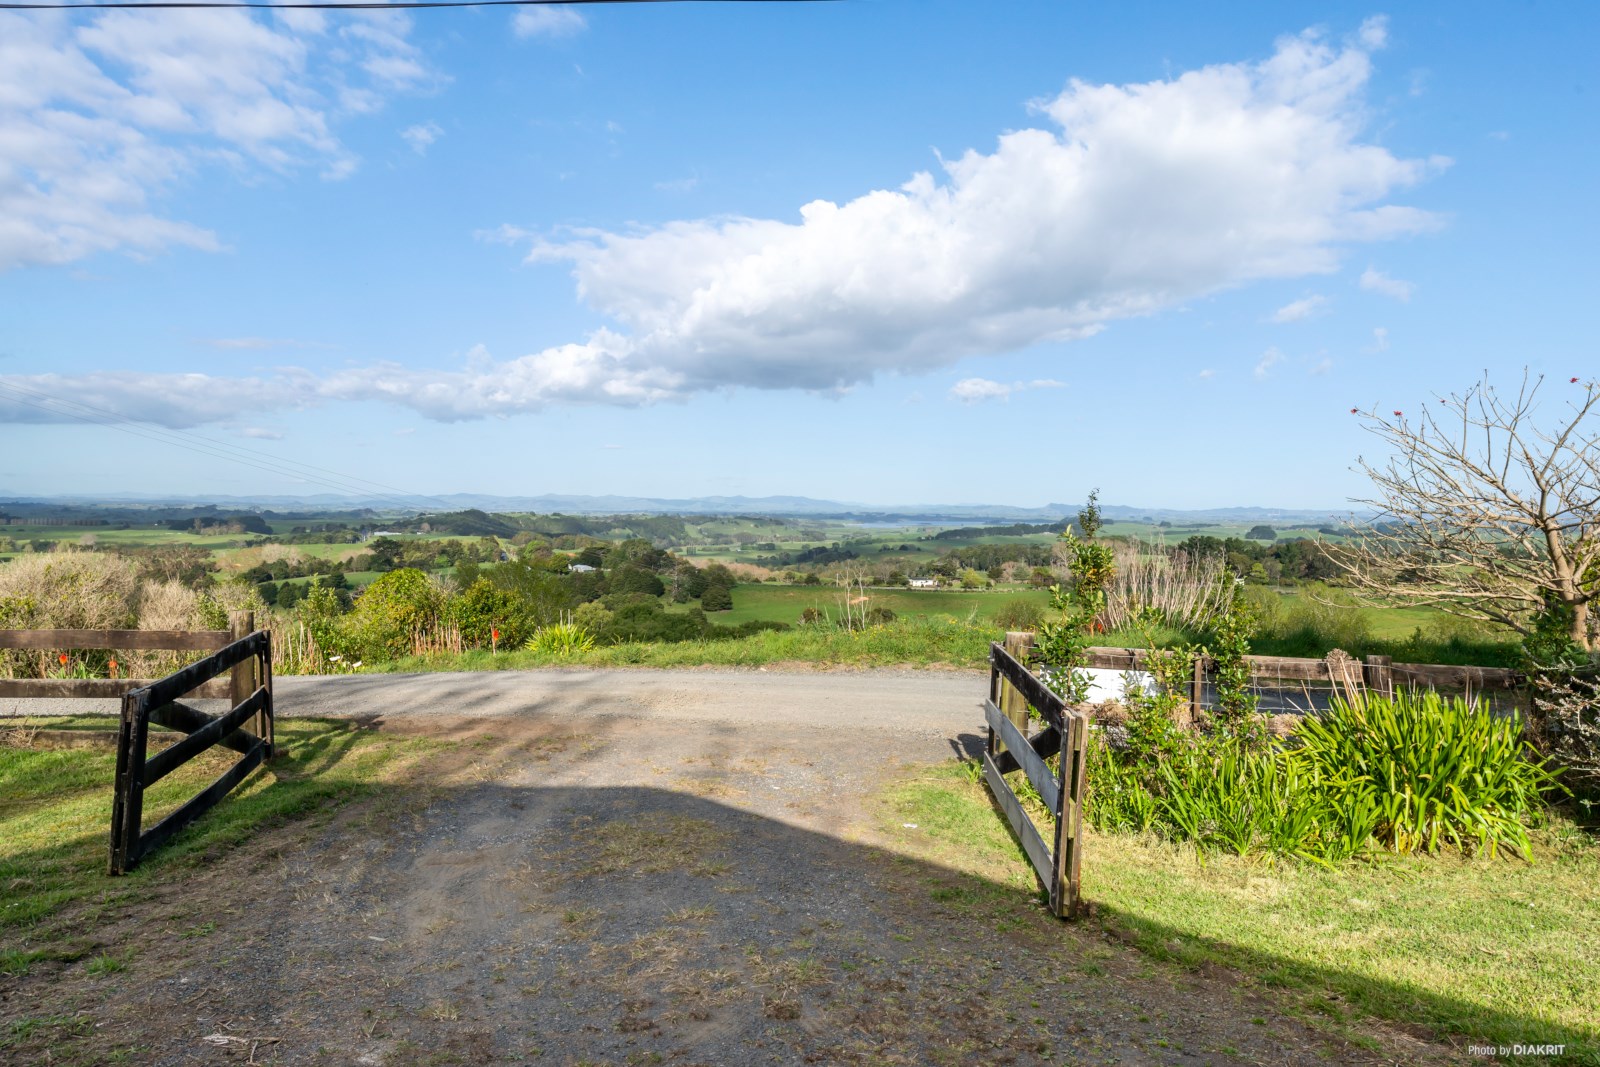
(63,659)
(1572,381)
(1399,414)
(1355,411)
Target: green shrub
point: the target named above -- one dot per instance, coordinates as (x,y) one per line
(394,610)
(716,598)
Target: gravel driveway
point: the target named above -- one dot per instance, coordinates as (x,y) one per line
(631,867)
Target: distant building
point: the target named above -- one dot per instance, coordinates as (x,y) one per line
(924,583)
(579,568)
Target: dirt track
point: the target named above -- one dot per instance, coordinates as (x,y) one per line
(647,867)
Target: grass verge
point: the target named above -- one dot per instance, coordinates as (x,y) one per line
(1478,951)
(926,642)
(55,810)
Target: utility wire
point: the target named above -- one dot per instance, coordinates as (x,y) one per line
(366,5)
(330,479)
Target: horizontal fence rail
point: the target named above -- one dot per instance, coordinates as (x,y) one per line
(1297,686)
(1057,857)
(247,728)
(129,640)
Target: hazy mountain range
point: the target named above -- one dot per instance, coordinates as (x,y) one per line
(777,506)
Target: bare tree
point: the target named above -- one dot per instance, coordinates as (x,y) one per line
(1483,511)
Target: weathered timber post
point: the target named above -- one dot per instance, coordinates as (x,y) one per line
(1067,884)
(1012,702)
(243,682)
(1380,676)
(1197,693)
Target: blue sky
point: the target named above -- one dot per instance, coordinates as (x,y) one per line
(879,251)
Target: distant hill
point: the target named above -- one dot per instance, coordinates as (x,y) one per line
(777,506)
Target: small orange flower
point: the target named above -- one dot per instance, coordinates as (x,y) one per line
(63,658)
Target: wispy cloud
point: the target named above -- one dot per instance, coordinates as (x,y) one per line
(99,115)
(1301,309)
(977,390)
(1322,366)
(1207,373)
(1269,359)
(551,20)
(1375,281)
(421,136)
(254,344)
(260,433)
(1380,340)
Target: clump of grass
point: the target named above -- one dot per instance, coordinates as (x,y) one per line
(1409,774)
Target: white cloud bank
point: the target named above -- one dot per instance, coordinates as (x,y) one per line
(1131,199)
(100,116)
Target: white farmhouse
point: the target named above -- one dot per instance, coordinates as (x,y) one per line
(924,583)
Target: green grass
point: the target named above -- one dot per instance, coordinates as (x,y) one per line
(918,642)
(784,603)
(55,808)
(1479,950)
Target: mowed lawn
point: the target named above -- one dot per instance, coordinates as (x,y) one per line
(784,603)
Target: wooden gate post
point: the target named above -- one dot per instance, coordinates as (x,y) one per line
(1380,676)
(243,681)
(1011,701)
(1197,690)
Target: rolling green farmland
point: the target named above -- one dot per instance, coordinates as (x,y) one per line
(784,603)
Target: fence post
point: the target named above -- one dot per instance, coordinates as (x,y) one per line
(1012,702)
(1197,691)
(1069,820)
(242,682)
(1380,676)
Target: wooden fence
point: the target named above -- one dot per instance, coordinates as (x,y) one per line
(1012,688)
(240,623)
(158,703)
(240,652)
(1338,671)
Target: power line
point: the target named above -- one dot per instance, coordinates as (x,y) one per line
(249,457)
(353,5)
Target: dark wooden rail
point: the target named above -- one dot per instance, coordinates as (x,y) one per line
(144,640)
(1012,689)
(249,659)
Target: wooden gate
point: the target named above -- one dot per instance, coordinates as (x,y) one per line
(250,662)
(1012,690)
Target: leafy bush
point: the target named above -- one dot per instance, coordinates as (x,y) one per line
(716,598)
(394,612)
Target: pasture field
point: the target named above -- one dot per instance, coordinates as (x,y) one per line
(767,602)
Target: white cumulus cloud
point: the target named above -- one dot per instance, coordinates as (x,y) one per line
(1122,201)
(1375,281)
(100,117)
